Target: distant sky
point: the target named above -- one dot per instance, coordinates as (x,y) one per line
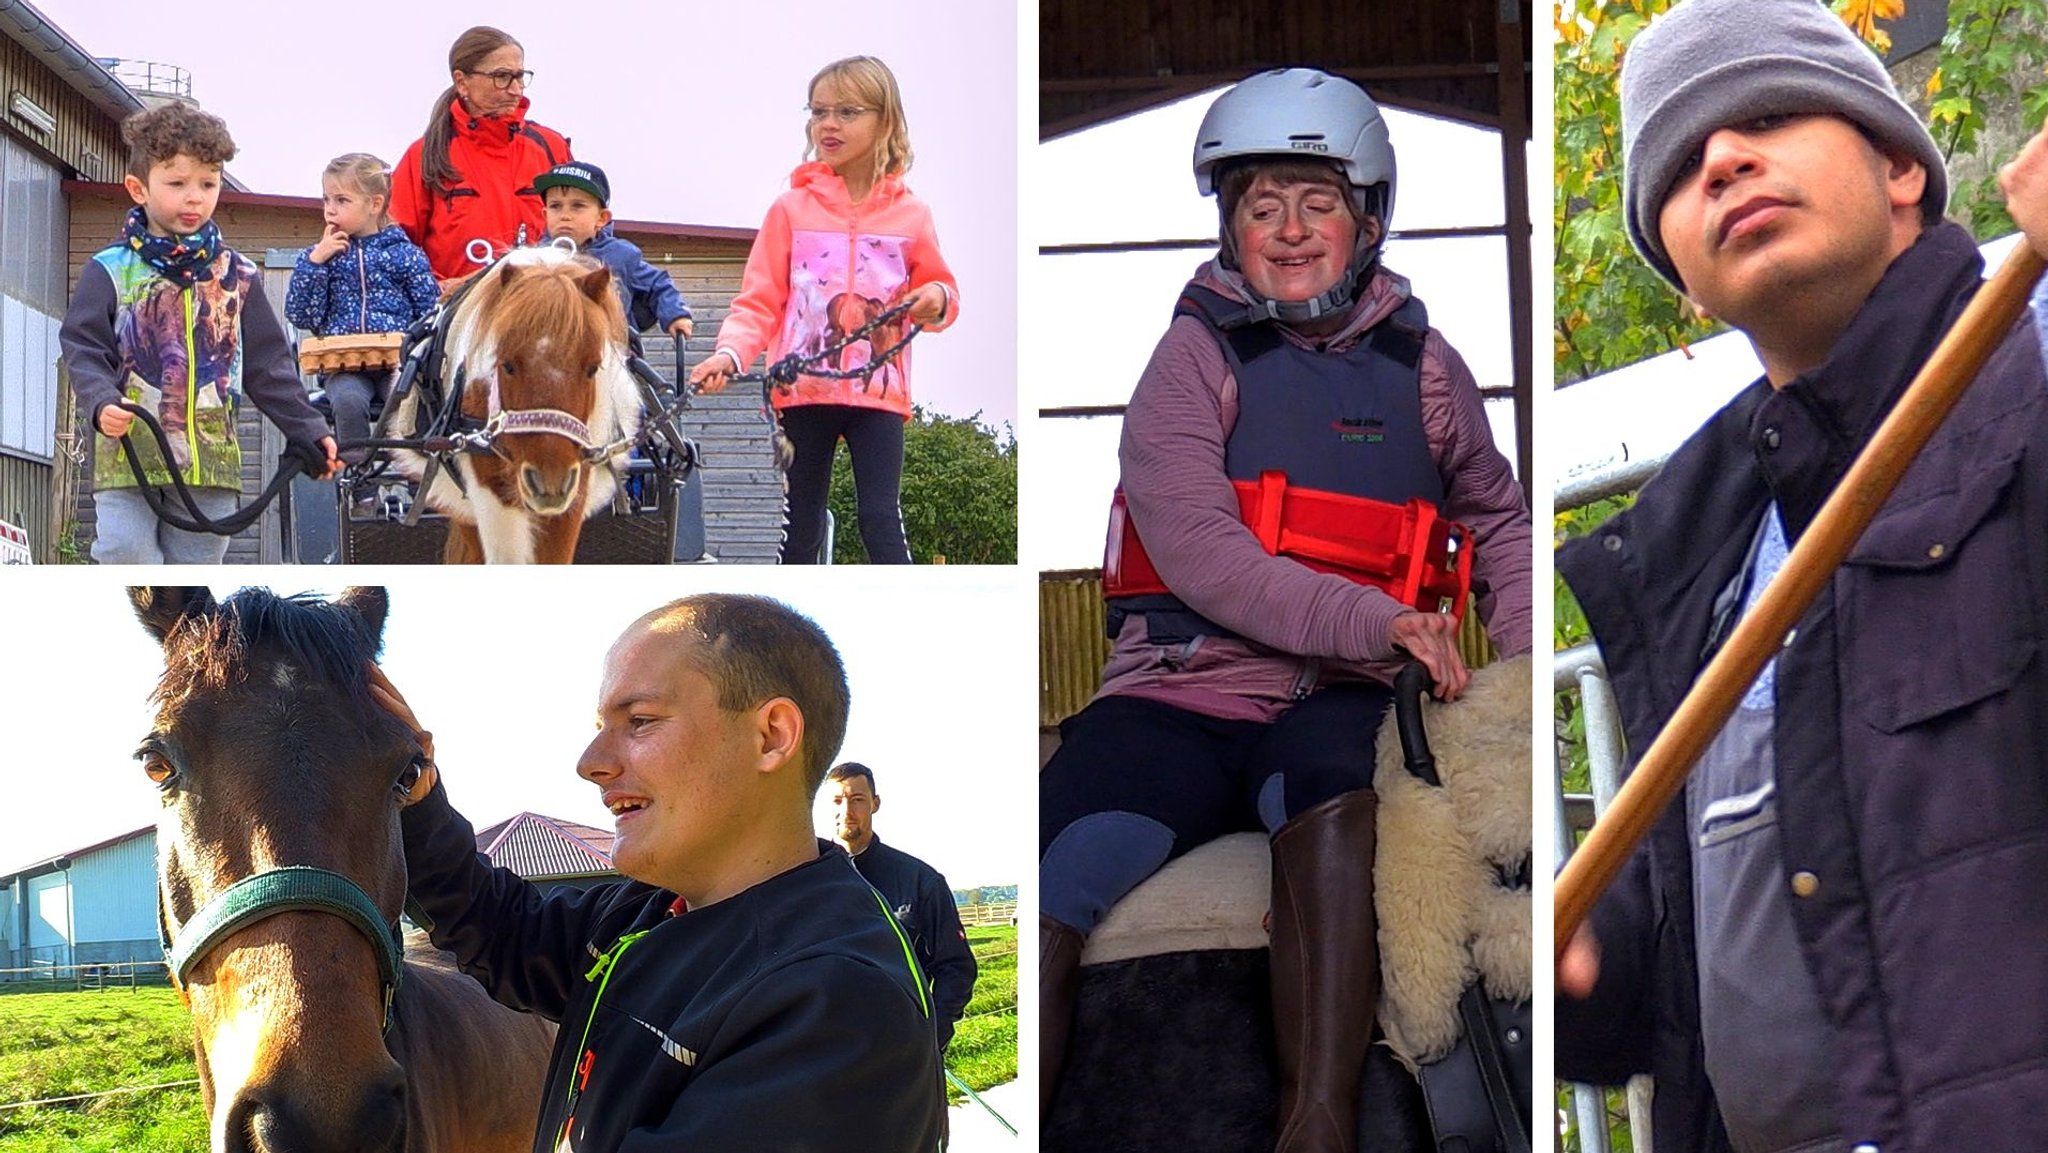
(1130,179)
(691,108)
(505,673)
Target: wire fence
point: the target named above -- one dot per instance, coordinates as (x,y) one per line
(7,1105)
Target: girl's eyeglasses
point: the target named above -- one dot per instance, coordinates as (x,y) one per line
(843,113)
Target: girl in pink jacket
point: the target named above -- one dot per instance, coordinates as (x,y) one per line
(845,243)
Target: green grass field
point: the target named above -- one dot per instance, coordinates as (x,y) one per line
(63,1044)
(984,1048)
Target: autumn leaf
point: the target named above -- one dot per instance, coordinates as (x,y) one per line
(1934,84)
(1863,15)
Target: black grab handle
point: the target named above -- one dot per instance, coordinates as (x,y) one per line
(1412,684)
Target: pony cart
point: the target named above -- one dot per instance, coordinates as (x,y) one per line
(522,428)
(558,445)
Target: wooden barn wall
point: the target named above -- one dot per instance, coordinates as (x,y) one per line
(87,140)
(743,493)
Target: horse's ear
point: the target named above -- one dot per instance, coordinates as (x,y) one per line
(509,272)
(597,285)
(373,604)
(161,607)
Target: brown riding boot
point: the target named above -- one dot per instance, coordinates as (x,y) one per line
(1326,970)
(1059,974)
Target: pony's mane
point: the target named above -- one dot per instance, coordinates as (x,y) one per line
(547,297)
(326,639)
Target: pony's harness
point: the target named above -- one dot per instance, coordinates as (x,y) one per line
(293,888)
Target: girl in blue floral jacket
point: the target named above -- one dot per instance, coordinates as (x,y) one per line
(363,275)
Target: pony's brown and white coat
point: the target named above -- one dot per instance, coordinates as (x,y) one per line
(508,528)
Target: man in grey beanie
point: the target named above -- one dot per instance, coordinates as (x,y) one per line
(1835,943)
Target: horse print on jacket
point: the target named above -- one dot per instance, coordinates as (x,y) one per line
(838,283)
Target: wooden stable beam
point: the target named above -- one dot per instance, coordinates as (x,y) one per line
(1514,157)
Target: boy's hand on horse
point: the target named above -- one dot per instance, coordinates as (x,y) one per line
(709,377)
(1432,638)
(2025,183)
(113,421)
(332,243)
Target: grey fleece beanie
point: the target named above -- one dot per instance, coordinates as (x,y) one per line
(1707,64)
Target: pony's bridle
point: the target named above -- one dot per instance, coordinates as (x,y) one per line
(501,421)
(293,888)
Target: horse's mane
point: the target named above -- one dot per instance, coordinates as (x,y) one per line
(547,297)
(325,638)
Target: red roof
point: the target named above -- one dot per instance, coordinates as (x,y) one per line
(534,846)
(311,204)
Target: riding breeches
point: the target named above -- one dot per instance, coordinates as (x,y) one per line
(1136,783)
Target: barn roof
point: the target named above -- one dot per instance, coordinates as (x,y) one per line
(312,204)
(49,864)
(532,846)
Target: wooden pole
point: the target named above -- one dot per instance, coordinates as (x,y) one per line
(1813,561)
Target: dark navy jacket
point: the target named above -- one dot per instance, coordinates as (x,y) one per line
(788,1016)
(651,297)
(1911,740)
(380,283)
(923,903)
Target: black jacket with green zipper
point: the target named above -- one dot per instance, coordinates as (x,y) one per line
(789,1016)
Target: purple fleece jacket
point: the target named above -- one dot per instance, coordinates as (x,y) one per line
(1299,627)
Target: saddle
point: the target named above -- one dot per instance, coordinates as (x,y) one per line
(1452,886)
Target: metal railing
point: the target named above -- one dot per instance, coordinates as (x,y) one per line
(1579,670)
(150,77)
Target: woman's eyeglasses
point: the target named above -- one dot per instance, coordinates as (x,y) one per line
(506,77)
(843,113)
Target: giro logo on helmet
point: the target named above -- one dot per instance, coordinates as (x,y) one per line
(1310,146)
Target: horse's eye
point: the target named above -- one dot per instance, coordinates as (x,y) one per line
(158,767)
(415,780)
(509,368)
(591,371)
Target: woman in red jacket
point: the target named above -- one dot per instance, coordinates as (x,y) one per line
(464,191)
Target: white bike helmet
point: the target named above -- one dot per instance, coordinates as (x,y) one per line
(1305,115)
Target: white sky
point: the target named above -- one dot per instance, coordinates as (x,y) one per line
(942,670)
(1131,180)
(690,108)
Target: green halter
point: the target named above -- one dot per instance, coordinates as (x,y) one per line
(294,888)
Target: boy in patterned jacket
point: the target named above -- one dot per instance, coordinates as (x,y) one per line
(171,319)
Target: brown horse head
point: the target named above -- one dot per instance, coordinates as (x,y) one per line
(270,754)
(541,335)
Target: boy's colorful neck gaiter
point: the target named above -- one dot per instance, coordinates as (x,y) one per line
(182,260)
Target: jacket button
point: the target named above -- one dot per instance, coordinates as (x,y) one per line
(1935,552)
(1771,438)
(1805,884)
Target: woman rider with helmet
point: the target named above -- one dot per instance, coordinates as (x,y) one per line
(1249,696)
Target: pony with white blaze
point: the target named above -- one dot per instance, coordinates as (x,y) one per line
(538,344)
